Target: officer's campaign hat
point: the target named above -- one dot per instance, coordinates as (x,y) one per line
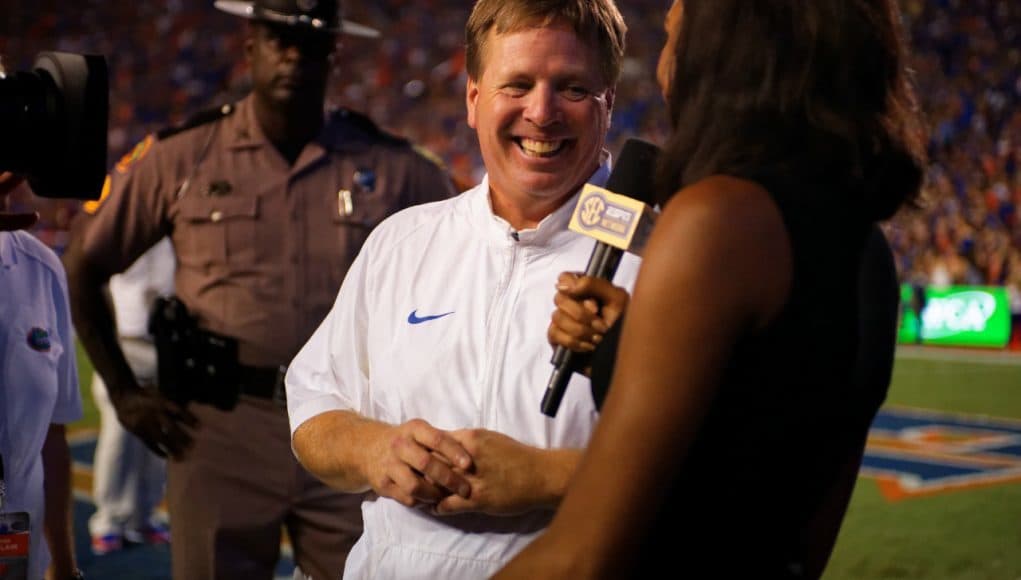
(316,14)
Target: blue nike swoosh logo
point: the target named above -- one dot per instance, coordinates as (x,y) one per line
(414,318)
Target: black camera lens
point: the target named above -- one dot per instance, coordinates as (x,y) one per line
(54,122)
(23,113)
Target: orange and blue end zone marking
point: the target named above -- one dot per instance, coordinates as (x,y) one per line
(915,452)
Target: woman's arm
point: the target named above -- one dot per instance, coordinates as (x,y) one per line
(586,309)
(717,267)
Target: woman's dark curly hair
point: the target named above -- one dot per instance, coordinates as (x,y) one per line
(796,89)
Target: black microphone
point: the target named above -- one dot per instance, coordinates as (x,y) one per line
(612,214)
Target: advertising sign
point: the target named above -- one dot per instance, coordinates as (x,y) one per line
(956,316)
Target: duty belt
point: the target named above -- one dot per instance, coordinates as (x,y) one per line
(195,364)
(263,382)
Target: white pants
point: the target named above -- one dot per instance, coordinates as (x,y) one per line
(129,479)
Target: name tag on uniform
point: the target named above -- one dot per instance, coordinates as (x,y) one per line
(219,188)
(14,541)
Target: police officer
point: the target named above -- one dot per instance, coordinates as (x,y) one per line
(266,202)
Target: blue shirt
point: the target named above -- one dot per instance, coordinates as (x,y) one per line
(38,375)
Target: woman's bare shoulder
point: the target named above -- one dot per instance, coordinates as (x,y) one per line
(732,225)
(743,207)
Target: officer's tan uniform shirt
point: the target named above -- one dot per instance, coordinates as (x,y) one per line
(262,247)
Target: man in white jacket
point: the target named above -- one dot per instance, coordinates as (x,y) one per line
(423,383)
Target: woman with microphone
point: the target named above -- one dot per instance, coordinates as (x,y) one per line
(757,345)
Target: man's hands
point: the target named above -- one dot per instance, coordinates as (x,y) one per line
(156,420)
(508,477)
(470,470)
(417,463)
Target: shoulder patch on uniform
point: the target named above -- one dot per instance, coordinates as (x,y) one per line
(364,125)
(198,119)
(132,157)
(91,207)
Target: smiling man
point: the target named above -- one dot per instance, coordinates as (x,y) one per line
(541,106)
(423,383)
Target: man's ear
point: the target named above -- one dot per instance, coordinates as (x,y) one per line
(611,95)
(471,98)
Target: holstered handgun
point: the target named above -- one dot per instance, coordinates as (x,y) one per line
(192,364)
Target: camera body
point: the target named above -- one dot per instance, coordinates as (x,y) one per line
(54,124)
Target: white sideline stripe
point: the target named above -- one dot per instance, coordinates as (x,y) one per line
(996,357)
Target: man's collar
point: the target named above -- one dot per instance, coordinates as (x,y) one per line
(7,255)
(602,174)
(555,221)
(342,130)
(244,127)
(245,132)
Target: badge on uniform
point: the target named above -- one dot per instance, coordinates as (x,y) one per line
(219,188)
(14,542)
(345,203)
(364,181)
(38,339)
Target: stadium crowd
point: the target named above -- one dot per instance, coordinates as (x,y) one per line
(968,63)
(169,59)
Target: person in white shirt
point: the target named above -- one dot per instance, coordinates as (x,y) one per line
(38,397)
(424,382)
(129,479)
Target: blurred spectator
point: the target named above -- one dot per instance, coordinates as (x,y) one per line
(967,58)
(129,479)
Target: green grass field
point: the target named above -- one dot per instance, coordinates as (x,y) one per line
(961,535)
(90,416)
(970,534)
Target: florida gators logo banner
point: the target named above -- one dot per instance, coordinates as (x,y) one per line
(915,452)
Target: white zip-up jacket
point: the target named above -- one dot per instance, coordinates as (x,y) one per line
(443,317)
